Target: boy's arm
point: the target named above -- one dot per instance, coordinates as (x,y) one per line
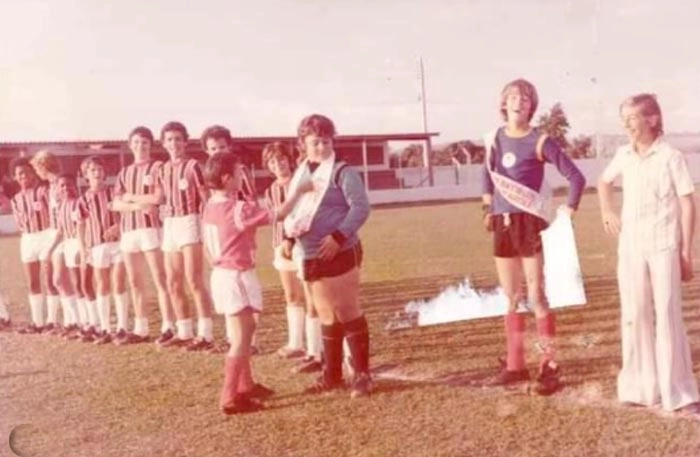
(355,194)
(577,182)
(17,213)
(683,185)
(611,221)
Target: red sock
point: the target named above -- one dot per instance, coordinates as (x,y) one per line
(515,340)
(245,381)
(546,330)
(232,375)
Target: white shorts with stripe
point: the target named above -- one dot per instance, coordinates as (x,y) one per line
(34,247)
(232,290)
(181,231)
(71,252)
(140,240)
(105,255)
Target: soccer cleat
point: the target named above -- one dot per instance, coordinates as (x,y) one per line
(104,337)
(692,410)
(361,386)
(131,338)
(31,329)
(5,325)
(241,404)
(260,392)
(176,343)
(199,345)
(285,352)
(254,350)
(89,335)
(322,385)
(56,330)
(120,335)
(308,365)
(548,379)
(165,337)
(506,377)
(219,348)
(68,331)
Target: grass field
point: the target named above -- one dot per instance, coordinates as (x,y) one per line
(71,399)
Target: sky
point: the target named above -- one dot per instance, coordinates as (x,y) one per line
(82,69)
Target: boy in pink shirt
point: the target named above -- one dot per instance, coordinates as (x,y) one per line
(228,227)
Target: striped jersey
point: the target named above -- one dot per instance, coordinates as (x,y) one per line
(30,208)
(97,215)
(275,196)
(139,179)
(183,186)
(69,213)
(54,202)
(228,230)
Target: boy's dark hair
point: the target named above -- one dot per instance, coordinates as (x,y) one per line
(19,162)
(174,126)
(217,132)
(279,150)
(316,124)
(68,177)
(217,166)
(143,132)
(97,160)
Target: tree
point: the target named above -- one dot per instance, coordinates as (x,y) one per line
(556,125)
(581,147)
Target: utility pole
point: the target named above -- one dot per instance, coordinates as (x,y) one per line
(426,149)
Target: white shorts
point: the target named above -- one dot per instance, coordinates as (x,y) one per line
(71,252)
(282,264)
(34,247)
(232,290)
(181,231)
(105,255)
(140,240)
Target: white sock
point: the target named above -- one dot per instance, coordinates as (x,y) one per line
(82,312)
(52,303)
(295,326)
(347,358)
(165,326)
(205,328)
(70,310)
(93,313)
(185,329)
(36,304)
(314,342)
(104,311)
(141,326)
(4,313)
(121,304)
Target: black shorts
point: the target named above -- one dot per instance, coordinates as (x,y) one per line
(344,261)
(520,238)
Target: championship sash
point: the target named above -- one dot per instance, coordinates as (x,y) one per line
(299,220)
(518,195)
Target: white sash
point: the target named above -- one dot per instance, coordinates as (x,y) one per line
(299,220)
(518,195)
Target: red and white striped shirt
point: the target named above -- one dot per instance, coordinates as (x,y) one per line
(69,213)
(275,196)
(139,179)
(97,215)
(228,229)
(54,202)
(31,209)
(183,186)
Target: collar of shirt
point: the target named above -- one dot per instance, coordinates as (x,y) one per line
(658,145)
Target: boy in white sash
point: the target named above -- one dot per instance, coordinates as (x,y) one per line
(655,255)
(325,225)
(516,210)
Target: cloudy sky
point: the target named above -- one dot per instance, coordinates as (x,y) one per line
(82,69)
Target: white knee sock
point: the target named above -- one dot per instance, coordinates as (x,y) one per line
(93,313)
(104,311)
(82,312)
(70,310)
(36,305)
(205,328)
(314,342)
(295,326)
(121,305)
(141,326)
(185,329)
(53,302)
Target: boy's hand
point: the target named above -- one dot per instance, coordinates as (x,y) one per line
(488,222)
(611,223)
(329,248)
(128,198)
(287,249)
(112,233)
(686,266)
(305,186)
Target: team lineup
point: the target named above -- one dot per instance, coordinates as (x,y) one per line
(83,252)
